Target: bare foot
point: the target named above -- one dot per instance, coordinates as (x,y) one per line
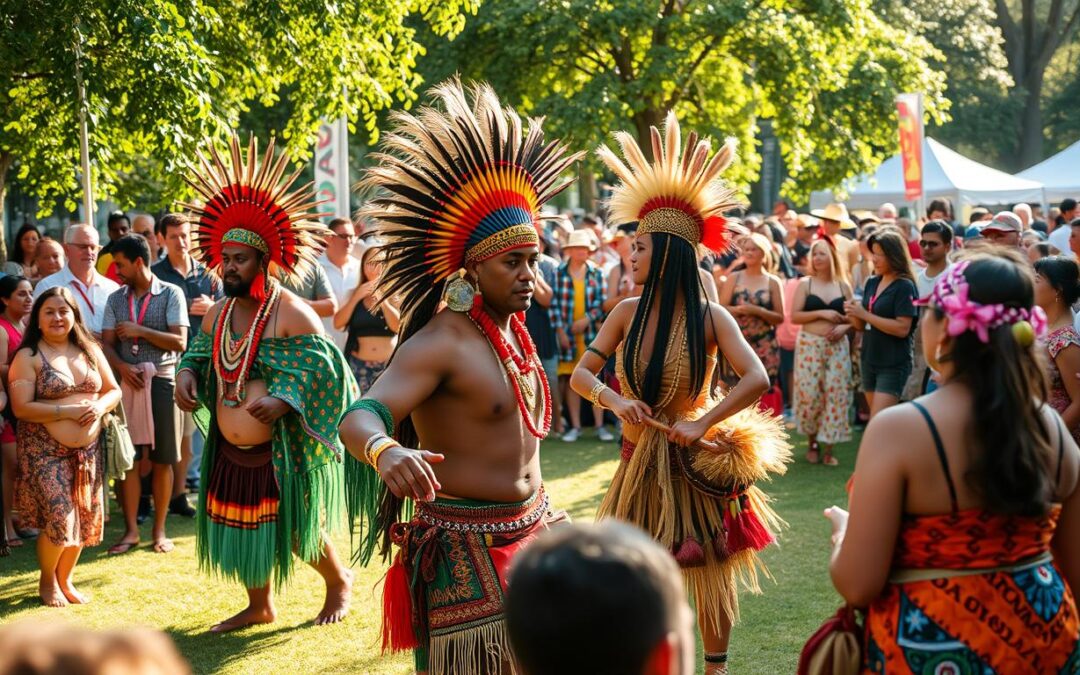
(73,595)
(51,595)
(248,617)
(338,598)
(163,545)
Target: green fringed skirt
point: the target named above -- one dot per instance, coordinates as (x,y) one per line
(242,499)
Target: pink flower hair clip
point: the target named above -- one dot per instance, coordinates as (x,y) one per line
(950,295)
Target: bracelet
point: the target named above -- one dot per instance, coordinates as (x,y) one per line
(377,407)
(371,442)
(596,391)
(380,447)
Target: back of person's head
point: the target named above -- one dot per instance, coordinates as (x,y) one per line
(34,648)
(133,247)
(1000,364)
(940,205)
(599,599)
(941,229)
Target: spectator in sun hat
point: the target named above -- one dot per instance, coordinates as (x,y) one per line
(1005,229)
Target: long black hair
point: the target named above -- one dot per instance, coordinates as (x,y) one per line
(16,243)
(1009,466)
(673,271)
(79,335)
(8,285)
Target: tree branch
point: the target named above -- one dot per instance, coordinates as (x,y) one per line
(681,90)
(31,76)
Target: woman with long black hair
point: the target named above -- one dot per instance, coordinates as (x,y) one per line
(689,458)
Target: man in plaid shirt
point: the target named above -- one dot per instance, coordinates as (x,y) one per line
(576,314)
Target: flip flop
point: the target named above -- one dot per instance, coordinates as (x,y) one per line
(829,460)
(163,546)
(122,547)
(15,542)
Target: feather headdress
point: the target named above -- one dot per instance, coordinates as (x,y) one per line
(682,196)
(458,184)
(246,202)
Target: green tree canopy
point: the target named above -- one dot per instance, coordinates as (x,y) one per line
(825,71)
(162,74)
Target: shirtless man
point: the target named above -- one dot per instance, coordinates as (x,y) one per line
(271,440)
(455,421)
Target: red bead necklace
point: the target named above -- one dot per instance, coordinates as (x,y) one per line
(233,359)
(519,368)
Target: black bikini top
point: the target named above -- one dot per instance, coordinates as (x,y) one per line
(815,303)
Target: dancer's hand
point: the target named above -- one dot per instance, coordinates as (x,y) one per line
(687,432)
(186,394)
(268,409)
(838,517)
(408,473)
(630,412)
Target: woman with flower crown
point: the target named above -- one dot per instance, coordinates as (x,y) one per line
(964,535)
(689,457)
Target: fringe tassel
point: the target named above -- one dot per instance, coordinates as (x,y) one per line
(362,488)
(483,649)
(398,634)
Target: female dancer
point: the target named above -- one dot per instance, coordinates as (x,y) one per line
(700,504)
(61,386)
(964,533)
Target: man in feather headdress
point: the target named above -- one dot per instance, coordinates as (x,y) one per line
(462,188)
(267,388)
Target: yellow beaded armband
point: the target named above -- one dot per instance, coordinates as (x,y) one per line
(596,391)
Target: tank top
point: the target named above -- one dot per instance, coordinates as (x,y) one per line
(14,336)
(363,324)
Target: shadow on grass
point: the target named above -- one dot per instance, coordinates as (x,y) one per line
(210,652)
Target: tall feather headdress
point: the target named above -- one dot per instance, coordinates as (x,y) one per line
(677,193)
(247,202)
(458,184)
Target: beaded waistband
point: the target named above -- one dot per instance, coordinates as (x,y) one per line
(484,517)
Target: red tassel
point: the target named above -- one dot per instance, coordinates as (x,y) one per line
(258,287)
(398,634)
(714,234)
(746,531)
(690,553)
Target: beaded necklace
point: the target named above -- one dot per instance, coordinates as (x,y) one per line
(520,368)
(233,359)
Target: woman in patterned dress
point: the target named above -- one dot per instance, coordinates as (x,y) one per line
(755,297)
(60,389)
(964,534)
(1057,288)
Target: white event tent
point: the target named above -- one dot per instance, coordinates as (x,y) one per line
(1059,174)
(946,173)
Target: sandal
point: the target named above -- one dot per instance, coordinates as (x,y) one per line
(122,547)
(829,460)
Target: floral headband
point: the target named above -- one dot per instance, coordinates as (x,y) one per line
(950,295)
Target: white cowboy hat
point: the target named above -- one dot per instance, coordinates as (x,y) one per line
(581,239)
(834,212)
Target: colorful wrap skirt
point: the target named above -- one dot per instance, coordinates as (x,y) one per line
(443,595)
(978,594)
(59,490)
(242,499)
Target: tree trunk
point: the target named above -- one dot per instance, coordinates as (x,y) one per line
(6,161)
(1031,122)
(587,188)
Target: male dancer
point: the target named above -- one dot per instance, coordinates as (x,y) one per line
(465,385)
(269,387)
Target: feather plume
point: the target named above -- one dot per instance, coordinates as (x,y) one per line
(685,178)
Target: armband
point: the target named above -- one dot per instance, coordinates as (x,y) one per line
(596,351)
(373,406)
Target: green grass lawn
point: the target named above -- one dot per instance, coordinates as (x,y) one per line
(168,591)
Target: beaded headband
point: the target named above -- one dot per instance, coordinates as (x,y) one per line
(679,193)
(950,295)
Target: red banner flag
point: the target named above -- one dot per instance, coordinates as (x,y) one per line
(909,108)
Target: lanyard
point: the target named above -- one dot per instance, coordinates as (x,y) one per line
(142,315)
(78,287)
